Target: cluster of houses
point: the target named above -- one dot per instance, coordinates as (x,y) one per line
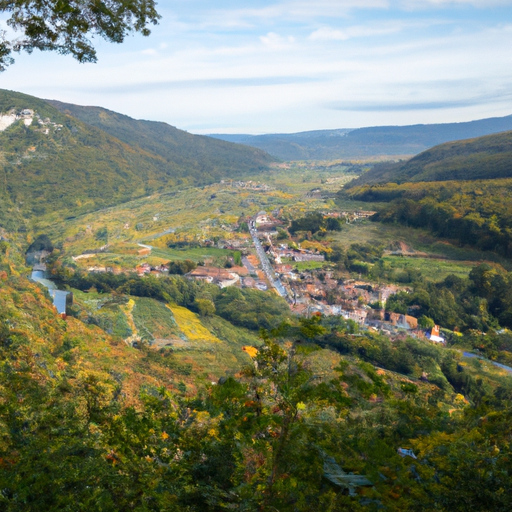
(248,185)
(351,300)
(146,269)
(283,252)
(318,291)
(350,216)
(26,115)
(219,276)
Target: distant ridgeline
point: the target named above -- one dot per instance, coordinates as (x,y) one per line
(460,190)
(481,158)
(368,142)
(53,161)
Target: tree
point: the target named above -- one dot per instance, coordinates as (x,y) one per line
(66,26)
(425,322)
(205,306)
(102,234)
(333,224)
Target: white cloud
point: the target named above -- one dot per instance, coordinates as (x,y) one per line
(276,42)
(411,4)
(290,11)
(331,34)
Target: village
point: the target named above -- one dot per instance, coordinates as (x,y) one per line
(298,272)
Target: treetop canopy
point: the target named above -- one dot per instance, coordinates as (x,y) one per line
(67,26)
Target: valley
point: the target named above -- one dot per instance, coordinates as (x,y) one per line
(244,333)
(238,234)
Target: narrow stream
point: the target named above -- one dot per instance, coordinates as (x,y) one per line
(58,296)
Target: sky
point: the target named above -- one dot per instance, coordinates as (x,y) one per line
(270,66)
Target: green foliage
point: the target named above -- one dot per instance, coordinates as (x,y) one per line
(243,227)
(359,257)
(425,322)
(205,307)
(101,234)
(260,441)
(474,214)
(153,320)
(108,167)
(247,308)
(314,222)
(310,328)
(482,302)
(181,267)
(333,224)
(281,234)
(191,158)
(41,243)
(174,289)
(65,27)
(251,308)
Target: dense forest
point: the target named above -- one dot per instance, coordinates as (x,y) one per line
(315,222)
(473,213)
(205,159)
(482,302)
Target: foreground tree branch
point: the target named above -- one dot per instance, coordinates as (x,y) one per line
(67,26)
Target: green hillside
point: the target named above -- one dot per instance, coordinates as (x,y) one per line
(488,157)
(144,398)
(202,158)
(459,191)
(51,161)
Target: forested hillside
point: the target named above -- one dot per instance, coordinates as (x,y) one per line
(156,392)
(51,161)
(488,157)
(459,191)
(203,159)
(368,142)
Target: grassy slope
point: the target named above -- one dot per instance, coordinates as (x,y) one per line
(192,345)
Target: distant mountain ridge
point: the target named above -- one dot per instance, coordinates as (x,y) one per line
(368,142)
(66,160)
(481,158)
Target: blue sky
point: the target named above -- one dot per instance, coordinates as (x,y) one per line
(286,66)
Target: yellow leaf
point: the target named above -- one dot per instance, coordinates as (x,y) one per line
(165,436)
(250,350)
